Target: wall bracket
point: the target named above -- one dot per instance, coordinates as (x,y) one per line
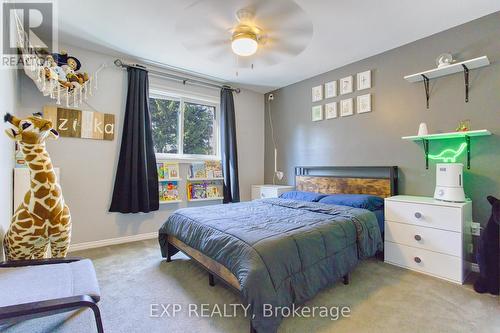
(425,143)
(467,141)
(426,86)
(466,81)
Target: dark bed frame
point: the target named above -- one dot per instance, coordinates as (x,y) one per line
(375,180)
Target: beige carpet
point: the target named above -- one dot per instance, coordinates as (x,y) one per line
(383,298)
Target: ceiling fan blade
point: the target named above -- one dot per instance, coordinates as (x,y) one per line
(278,13)
(208,43)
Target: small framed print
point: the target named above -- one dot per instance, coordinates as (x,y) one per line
(317,93)
(346,85)
(364,103)
(331,110)
(364,80)
(346,107)
(331,89)
(317,113)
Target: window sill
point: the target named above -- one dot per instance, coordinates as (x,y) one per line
(186,159)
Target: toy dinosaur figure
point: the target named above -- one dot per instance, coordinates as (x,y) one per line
(42,218)
(449,155)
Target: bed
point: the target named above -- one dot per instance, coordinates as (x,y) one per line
(277,252)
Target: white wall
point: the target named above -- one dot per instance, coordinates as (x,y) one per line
(88,166)
(8,103)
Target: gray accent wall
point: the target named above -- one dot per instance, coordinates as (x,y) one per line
(398,109)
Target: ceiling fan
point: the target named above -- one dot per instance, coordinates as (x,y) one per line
(245,33)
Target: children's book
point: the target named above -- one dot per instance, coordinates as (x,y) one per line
(197,191)
(213,169)
(171,170)
(197,170)
(160,170)
(214,189)
(169,191)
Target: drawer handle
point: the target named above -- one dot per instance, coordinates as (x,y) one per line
(417,260)
(418,237)
(418,215)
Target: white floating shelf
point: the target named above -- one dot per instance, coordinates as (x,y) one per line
(201,179)
(169,202)
(206,199)
(170,180)
(447,70)
(449,135)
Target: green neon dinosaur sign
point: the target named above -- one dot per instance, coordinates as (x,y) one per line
(449,155)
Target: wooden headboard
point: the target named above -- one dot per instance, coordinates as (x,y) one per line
(381,181)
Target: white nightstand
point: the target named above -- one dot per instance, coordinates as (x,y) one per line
(269,191)
(428,236)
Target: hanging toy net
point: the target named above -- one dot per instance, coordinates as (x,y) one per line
(55,75)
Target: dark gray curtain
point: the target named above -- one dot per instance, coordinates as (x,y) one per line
(136,182)
(228,147)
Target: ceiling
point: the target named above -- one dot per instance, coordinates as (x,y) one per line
(342,32)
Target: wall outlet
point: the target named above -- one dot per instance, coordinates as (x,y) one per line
(470,249)
(475,228)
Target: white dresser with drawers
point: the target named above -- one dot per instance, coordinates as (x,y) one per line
(428,236)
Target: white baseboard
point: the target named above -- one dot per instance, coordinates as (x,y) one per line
(111,241)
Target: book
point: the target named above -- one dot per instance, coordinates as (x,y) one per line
(197,170)
(169,191)
(171,170)
(160,170)
(213,189)
(197,191)
(213,169)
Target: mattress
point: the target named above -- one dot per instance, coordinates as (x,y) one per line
(282,252)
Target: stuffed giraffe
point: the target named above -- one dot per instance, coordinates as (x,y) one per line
(42,218)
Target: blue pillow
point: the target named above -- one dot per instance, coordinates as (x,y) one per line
(365,201)
(302,196)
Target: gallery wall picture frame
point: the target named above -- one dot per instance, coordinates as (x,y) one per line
(346,86)
(346,107)
(317,113)
(364,80)
(331,89)
(364,103)
(317,93)
(331,110)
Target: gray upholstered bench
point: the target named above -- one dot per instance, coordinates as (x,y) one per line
(37,288)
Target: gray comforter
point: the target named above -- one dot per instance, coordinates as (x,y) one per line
(282,251)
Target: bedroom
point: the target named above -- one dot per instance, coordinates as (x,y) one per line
(246,165)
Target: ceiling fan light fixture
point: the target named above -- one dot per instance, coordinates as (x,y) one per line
(244,44)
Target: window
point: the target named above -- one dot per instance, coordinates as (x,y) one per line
(184,128)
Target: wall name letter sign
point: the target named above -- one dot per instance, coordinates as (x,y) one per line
(81,124)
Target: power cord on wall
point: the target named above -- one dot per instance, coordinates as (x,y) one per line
(277,173)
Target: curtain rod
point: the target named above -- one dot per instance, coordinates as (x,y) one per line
(174,77)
